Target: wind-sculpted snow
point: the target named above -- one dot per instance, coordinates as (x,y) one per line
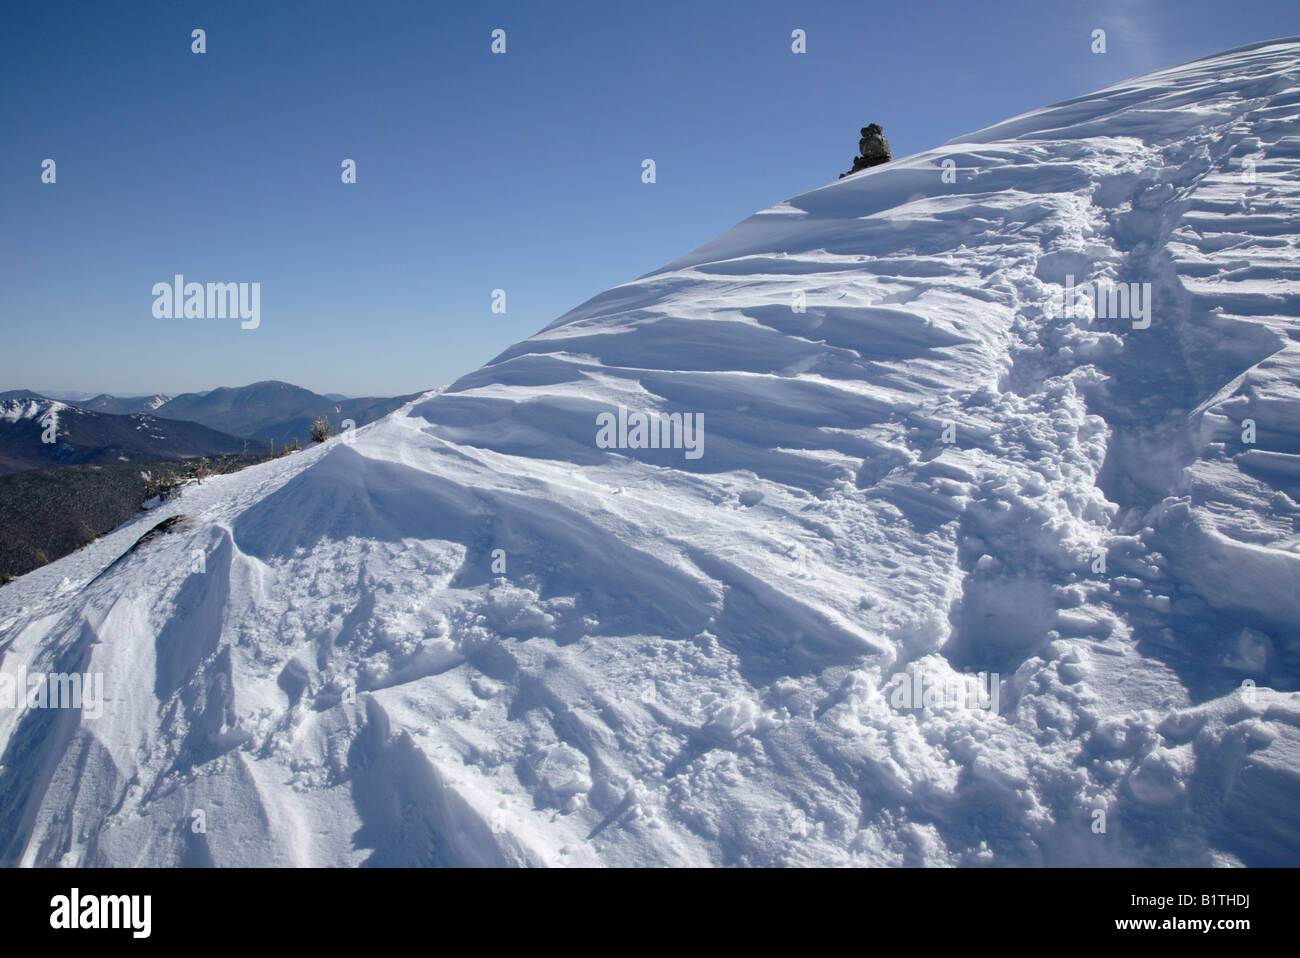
(476,634)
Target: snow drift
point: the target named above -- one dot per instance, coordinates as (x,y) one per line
(470,635)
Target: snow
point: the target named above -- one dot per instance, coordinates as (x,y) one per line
(16,410)
(929,478)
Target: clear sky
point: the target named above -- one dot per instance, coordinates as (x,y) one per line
(475,171)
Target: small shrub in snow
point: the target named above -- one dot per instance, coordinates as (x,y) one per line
(321,429)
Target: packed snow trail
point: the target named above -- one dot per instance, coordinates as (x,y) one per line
(470,634)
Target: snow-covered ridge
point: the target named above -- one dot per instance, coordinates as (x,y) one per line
(471,635)
(16,410)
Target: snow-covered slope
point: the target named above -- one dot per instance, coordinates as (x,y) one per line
(916,466)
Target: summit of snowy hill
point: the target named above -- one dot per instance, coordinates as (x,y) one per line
(943,515)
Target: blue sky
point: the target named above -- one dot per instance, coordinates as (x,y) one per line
(475,171)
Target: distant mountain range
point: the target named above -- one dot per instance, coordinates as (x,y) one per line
(104,428)
(119,405)
(275,410)
(83,436)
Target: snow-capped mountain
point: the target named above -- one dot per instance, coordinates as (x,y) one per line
(37,433)
(123,405)
(973,541)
